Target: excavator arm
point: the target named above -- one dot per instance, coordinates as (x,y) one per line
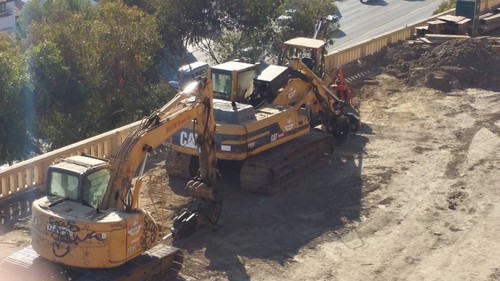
(153,131)
(307,88)
(337,116)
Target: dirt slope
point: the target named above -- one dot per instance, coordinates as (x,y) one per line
(411,197)
(455,64)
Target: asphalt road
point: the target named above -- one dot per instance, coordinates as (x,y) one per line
(361,21)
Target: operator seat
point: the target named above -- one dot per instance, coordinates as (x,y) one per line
(308,62)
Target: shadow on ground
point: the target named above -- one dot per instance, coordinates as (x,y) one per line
(339,34)
(275,228)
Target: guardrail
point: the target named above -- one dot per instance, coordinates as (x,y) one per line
(21,183)
(488,5)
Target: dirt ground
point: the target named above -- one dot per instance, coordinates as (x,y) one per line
(413,196)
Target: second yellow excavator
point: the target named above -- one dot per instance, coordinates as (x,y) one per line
(273,123)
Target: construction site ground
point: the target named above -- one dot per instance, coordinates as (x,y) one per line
(412,196)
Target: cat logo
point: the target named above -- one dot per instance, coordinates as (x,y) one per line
(187,140)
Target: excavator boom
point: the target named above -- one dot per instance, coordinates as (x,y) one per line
(155,130)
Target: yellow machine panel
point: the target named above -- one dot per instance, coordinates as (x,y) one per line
(78,236)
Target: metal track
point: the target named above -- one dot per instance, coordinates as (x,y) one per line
(28,265)
(271,170)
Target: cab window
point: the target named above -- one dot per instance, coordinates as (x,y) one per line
(245,83)
(64,185)
(94,186)
(222,85)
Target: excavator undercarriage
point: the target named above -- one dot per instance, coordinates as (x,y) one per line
(270,172)
(267,172)
(28,265)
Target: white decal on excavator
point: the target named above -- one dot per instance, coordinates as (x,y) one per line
(274,136)
(60,228)
(187,139)
(132,248)
(289,125)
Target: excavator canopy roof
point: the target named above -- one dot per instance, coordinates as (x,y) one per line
(305,43)
(78,164)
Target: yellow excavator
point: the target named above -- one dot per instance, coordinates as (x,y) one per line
(89,225)
(310,50)
(268,116)
(273,122)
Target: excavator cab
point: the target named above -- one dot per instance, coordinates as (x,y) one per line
(80,179)
(310,51)
(233,80)
(69,228)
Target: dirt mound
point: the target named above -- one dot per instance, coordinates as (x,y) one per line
(455,64)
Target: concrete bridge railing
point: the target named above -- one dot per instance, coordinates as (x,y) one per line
(21,183)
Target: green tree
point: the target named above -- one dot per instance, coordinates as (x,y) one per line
(13,139)
(264,37)
(36,10)
(127,43)
(445,5)
(56,97)
(180,22)
(93,70)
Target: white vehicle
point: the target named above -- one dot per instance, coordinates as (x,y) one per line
(187,73)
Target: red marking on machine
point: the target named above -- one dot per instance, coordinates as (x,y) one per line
(134,228)
(291,93)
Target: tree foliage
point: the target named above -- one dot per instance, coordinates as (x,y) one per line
(13,137)
(88,69)
(92,69)
(36,10)
(445,5)
(263,36)
(229,29)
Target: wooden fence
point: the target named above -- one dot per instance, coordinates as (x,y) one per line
(488,5)
(339,57)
